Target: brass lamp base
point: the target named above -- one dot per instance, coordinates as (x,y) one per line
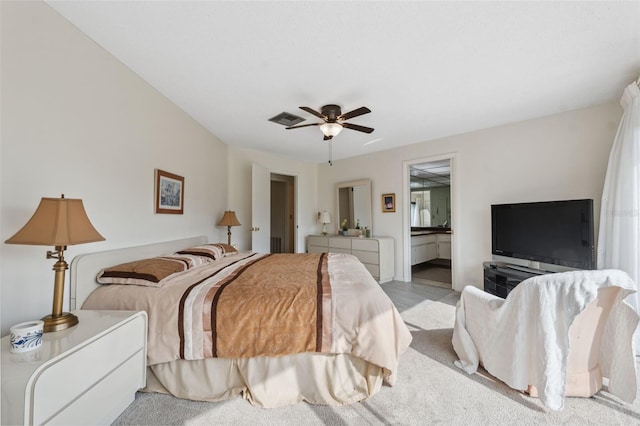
(59,322)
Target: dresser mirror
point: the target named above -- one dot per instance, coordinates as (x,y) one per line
(353,203)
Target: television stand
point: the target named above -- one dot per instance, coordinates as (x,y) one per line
(500,278)
(526,269)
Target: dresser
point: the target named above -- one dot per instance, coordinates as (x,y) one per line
(376,254)
(86,374)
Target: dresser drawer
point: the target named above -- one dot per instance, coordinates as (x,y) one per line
(99,401)
(317,249)
(318,241)
(365,245)
(339,250)
(366,256)
(343,243)
(78,372)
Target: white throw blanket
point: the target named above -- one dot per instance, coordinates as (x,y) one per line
(524,339)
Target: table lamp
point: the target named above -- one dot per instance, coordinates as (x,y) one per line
(325,219)
(229,219)
(58,222)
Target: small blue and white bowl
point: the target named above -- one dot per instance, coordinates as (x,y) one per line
(26,336)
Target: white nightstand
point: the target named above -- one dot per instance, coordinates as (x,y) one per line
(87,374)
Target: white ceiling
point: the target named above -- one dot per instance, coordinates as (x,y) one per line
(425,69)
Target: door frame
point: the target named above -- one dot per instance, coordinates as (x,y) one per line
(406,219)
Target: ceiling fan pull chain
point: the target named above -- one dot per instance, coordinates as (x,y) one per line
(330,145)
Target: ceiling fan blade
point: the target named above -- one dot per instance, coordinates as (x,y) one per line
(304,125)
(356,127)
(354,113)
(311,111)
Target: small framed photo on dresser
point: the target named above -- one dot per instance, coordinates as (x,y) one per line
(388,203)
(169,193)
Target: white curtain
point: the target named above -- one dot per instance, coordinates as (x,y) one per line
(619,235)
(415,212)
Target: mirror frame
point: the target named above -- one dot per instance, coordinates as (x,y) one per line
(347,184)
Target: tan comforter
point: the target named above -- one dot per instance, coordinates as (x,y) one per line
(267,305)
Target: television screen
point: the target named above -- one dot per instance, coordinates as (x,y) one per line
(554,232)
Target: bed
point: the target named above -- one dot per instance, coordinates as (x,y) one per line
(216,330)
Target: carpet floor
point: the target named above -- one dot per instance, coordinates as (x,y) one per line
(430,389)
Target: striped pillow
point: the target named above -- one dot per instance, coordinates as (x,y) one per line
(212,251)
(152,272)
(227,249)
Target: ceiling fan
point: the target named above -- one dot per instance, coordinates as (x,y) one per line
(334,120)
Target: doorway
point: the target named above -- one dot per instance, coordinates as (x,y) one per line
(428,222)
(273,211)
(282,214)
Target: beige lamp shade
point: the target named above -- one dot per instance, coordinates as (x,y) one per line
(57,222)
(325,217)
(229,219)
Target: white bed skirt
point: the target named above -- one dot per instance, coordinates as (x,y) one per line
(330,379)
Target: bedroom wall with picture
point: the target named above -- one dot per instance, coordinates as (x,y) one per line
(76,121)
(563,156)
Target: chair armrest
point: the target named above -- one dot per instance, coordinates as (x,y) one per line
(480,296)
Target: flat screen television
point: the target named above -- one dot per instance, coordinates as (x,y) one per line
(552,232)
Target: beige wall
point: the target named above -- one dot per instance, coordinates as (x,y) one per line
(563,156)
(76,121)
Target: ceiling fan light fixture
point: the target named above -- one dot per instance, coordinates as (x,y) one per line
(331,129)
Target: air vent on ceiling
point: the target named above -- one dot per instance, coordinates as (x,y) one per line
(286,119)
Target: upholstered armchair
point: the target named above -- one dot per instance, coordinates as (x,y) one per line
(554,335)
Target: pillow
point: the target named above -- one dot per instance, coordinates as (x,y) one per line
(190,260)
(212,251)
(227,249)
(153,272)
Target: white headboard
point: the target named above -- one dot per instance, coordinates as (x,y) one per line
(85,267)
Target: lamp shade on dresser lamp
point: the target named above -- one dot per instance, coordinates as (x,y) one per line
(229,219)
(325,218)
(58,222)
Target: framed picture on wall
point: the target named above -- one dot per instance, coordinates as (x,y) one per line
(388,203)
(169,193)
